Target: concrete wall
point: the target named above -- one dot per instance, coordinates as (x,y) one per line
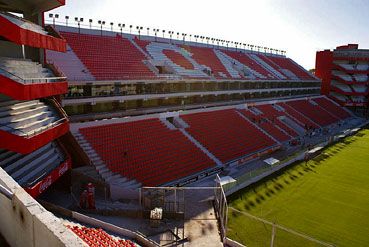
(24,222)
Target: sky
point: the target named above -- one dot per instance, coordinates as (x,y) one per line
(300,27)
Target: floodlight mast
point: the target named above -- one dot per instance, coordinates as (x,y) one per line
(54,16)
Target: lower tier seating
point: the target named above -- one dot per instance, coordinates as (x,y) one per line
(26,118)
(274,115)
(29,169)
(332,108)
(313,112)
(98,237)
(226,134)
(147,151)
(304,121)
(267,126)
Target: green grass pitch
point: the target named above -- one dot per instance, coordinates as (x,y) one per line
(327,199)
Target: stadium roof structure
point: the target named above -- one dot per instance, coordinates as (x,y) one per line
(32,6)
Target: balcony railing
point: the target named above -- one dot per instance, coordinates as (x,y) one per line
(32,80)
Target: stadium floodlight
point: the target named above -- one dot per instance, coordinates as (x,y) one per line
(90,23)
(111,26)
(121,26)
(130,29)
(148,31)
(170,35)
(163,33)
(139,31)
(156,32)
(78,20)
(101,23)
(190,37)
(184,37)
(56,16)
(66,20)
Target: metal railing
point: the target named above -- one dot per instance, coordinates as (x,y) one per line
(7,193)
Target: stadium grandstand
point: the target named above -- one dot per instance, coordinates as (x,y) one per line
(116,138)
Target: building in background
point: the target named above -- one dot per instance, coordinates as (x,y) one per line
(345,75)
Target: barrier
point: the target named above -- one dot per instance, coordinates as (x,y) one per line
(24,222)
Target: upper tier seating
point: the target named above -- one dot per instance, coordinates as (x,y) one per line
(24,70)
(70,64)
(287,63)
(109,58)
(29,169)
(226,134)
(332,108)
(98,237)
(26,118)
(178,58)
(22,23)
(313,112)
(174,56)
(147,151)
(271,65)
(248,61)
(206,56)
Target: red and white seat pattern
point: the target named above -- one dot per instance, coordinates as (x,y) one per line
(109,57)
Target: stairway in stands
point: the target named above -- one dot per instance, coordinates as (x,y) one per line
(19,69)
(26,118)
(31,168)
(72,66)
(108,176)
